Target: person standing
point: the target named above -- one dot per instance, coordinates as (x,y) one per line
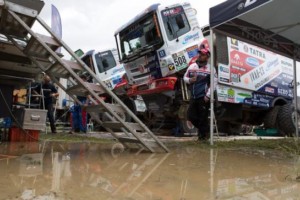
(49,92)
(79,114)
(197,76)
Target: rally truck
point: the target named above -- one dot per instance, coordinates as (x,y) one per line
(156,47)
(254,85)
(105,64)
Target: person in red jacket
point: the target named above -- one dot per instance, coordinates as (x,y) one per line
(197,76)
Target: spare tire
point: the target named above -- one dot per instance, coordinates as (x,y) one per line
(286,119)
(270,119)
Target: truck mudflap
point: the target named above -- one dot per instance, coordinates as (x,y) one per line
(154,86)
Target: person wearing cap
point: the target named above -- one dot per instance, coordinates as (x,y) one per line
(197,76)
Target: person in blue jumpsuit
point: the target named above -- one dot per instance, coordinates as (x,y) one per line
(79,114)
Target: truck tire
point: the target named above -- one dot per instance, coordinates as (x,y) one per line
(286,119)
(131,105)
(270,119)
(229,128)
(234,129)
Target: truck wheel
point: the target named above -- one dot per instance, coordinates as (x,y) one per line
(270,118)
(222,126)
(234,129)
(229,128)
(286,119)
(131,105)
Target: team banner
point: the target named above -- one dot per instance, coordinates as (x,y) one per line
(56,25)
(254,70)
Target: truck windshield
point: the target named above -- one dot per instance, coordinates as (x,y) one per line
(105,61)
(139,36)
(175,22)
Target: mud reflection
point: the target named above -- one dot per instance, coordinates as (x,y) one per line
(98,171)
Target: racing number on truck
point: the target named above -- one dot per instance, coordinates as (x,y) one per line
(179,61)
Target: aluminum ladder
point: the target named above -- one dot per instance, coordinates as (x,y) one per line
(15,23)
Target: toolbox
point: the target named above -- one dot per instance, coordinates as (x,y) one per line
(31,119)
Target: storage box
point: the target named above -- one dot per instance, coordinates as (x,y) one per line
(31,119)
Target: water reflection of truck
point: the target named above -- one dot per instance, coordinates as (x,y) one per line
(157,46)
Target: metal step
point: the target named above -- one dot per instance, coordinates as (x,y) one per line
(98,109)
(80,90)
(27,11)
(60,70)
(118,125)
(129,140)
(34,47)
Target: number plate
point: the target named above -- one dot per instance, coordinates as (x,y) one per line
(180,61)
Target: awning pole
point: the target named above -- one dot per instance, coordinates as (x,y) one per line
(295,98)
(211,88)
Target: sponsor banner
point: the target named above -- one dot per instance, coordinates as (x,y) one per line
(235,95)
(256,69)
(56,25)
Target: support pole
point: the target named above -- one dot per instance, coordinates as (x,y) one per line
(211,88)
(295,98)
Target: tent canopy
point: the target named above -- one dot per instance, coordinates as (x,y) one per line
(271,24)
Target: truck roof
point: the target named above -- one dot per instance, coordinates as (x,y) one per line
(139,16)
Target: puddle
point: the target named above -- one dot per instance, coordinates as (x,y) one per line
(48,171)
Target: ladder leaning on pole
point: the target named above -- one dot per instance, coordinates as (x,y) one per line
(15,23)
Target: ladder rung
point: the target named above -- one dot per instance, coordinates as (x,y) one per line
(119,125)
(58,70)
(129,140)
(82,91)
(100,109)
(35,48)
(26,11)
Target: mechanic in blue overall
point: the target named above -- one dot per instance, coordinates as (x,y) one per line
(197,76)
(79,114)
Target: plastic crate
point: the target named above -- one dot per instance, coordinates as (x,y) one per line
(266,132)
(18,135)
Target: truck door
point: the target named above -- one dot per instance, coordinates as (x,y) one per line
(181,35)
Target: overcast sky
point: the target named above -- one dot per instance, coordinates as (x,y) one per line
(91,24)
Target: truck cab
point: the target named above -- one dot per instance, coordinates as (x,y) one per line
(105,64)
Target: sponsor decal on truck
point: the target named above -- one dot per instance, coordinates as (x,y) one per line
(254,69)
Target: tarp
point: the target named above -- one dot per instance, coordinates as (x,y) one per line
(271,24)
